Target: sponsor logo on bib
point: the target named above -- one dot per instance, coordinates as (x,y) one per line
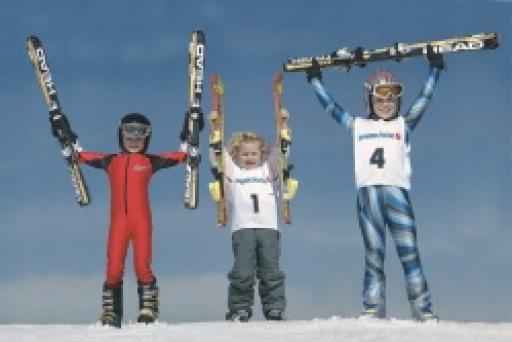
(380,135)
(249,180)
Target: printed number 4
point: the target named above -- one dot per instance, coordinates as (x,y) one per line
(377,157)
(255,203)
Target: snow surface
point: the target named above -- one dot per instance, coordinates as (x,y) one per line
(321,330)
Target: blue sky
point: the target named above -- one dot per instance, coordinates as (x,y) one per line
(112,57)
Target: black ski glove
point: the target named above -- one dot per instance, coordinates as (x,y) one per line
(359,57)
(435,59)
(184,131)
(313,71)
(61,128)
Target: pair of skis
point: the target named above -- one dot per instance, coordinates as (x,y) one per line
(217,188)
(41,66)
(344,58)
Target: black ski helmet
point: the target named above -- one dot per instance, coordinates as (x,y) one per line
(134,118)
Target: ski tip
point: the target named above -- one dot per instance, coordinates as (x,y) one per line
(279,77)
(33,40)
(199,34)
(33,37)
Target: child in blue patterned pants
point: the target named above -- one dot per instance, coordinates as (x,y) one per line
(382,168)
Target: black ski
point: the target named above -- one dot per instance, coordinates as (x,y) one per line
(39,60)
(196,71)
(345,58)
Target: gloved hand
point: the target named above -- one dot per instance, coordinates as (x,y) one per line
(435,59)
(359,57)
(313,71)
(67,150)
(61,128)
(184,131)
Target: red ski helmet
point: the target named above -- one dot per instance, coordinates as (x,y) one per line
(136,125)
(381,83)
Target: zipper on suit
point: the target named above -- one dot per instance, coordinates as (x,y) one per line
(127,164)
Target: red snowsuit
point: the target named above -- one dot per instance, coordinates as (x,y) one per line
(130,213)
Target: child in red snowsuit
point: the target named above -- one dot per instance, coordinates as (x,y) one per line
(129,173)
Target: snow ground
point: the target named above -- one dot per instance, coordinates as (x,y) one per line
(322,330)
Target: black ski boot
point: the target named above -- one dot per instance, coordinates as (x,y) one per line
(148,302)
(239,315)
(112,306)
(274,315)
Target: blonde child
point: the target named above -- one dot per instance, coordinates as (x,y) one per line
(251,174)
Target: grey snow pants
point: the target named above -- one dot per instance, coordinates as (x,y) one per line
(256,252)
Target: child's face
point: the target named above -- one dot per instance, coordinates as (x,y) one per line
(250,155)
(133,145)
(385,108)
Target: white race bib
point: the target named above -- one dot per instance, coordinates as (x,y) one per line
(252,198)
(381,153)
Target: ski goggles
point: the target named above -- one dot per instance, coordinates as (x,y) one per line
(386,91)
(135,130)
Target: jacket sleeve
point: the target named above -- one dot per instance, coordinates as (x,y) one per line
(167,159)
(98,160)
(274,160)
(415,113)
(332,108)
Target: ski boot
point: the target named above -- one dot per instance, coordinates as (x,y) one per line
(274,315)
(112,306)
(373,311)
(148,302)
(423,314)
(239,315)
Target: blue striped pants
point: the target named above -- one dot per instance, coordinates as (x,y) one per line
(379,207)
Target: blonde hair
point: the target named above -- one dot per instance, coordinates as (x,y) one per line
(239,138)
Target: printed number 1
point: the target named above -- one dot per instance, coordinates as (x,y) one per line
(377,157)
(255,203)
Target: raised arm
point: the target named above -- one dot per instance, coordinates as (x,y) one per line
(167,159)
(415,112)
(97,160)
(274,160)
(340,115)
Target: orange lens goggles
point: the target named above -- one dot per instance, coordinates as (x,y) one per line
(384,91)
